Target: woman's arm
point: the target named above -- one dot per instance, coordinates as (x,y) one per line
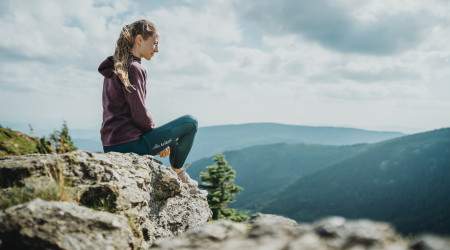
(136,98)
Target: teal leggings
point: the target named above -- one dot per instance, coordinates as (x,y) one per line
(178,135)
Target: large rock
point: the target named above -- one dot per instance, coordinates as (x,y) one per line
(274,232)
(149,194)
(62,225)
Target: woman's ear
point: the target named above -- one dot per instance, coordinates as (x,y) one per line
(138,39)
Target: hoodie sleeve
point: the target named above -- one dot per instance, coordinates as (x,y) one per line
(136,99)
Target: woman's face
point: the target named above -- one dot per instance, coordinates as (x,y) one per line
(149,47)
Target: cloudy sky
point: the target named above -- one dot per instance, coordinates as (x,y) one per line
(378,64)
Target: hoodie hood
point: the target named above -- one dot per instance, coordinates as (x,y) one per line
(106,68)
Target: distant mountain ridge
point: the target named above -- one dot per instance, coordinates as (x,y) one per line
(216,139)
(404,181)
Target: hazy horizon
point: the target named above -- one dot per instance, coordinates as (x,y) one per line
(44,130)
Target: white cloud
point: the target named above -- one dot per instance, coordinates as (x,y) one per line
(189,34)
(61,32)
(217,65)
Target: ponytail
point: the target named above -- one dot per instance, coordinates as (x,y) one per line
(123,47)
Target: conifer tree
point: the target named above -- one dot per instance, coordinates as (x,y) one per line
(59,142)
(66,143)
(219,181)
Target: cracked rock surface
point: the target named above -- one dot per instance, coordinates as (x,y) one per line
(140,188)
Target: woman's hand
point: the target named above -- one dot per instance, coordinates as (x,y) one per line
(164,153)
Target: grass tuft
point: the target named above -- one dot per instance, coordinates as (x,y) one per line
(50,187)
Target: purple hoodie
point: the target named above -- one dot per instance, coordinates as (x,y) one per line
(125,117)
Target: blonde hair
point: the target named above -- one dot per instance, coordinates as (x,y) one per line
(124,44)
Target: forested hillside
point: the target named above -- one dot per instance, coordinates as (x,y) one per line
(263,170)
(404,181)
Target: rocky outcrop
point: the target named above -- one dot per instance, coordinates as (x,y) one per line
(62,225)
(275,232)
(148,194)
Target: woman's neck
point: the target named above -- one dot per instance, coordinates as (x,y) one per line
(134,52)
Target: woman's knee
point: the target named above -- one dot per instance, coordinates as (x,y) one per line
(190,119)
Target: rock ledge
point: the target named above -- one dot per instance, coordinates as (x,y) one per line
(138,188)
